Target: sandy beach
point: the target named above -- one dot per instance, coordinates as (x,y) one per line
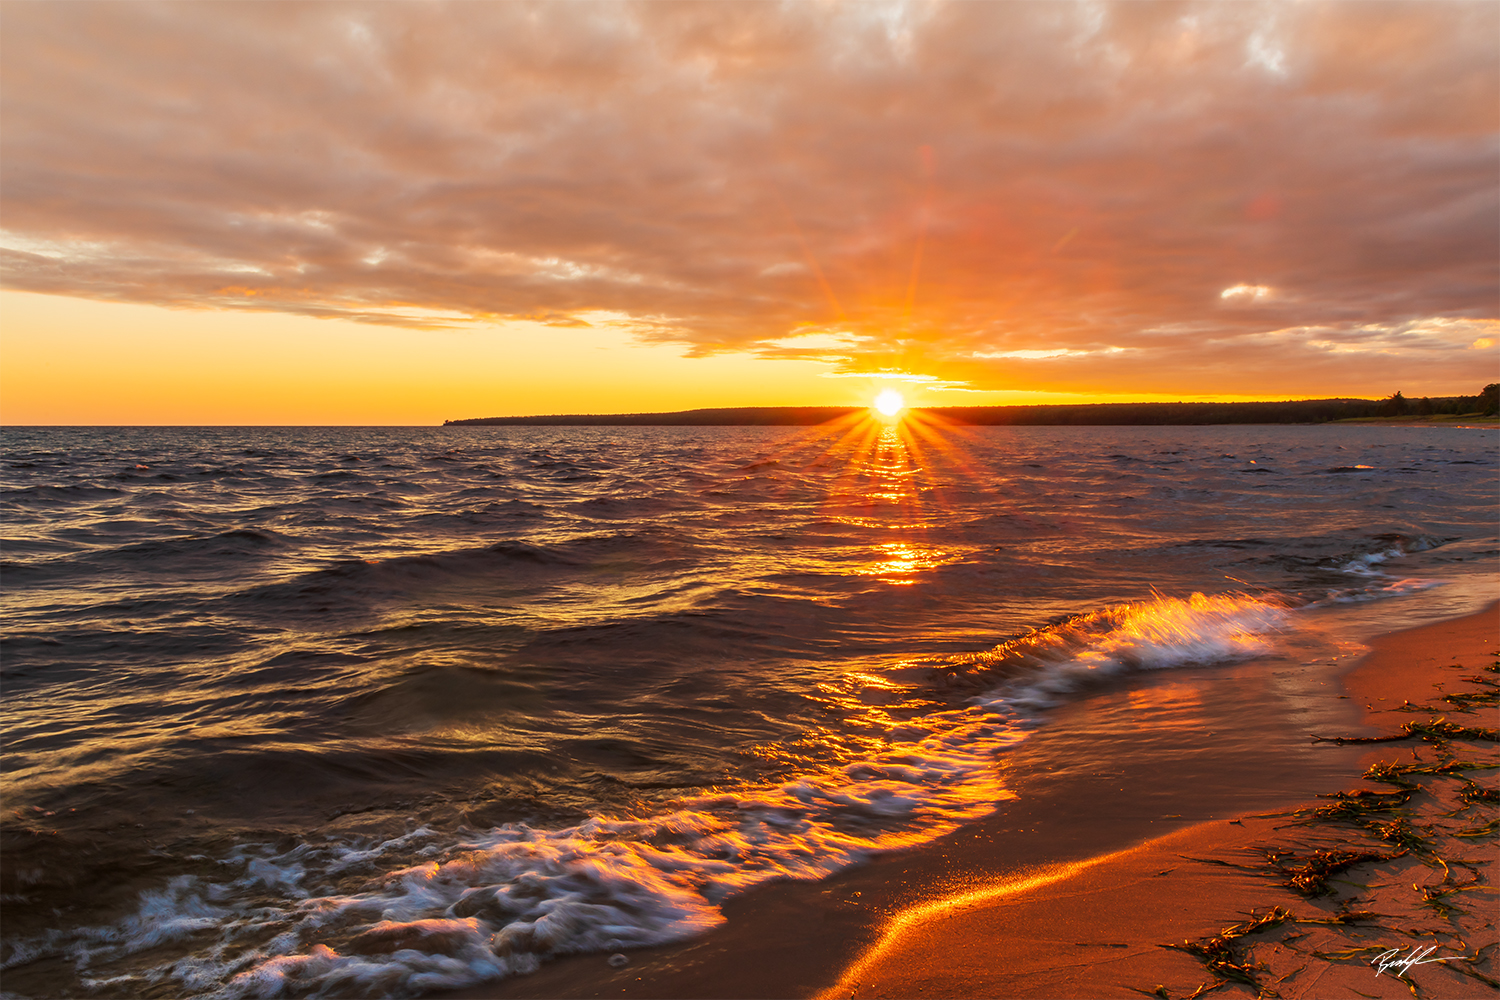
(1083,909)
(1096,928)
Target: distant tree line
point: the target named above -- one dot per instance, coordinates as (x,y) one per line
(1486,404)
(1303,411)
(737,416)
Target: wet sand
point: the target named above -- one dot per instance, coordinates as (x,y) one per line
(1070,889)
(1096,928)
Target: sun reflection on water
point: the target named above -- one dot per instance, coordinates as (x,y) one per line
(888,486)
(902,561)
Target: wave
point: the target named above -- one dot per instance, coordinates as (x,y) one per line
(1039,669)
(429,910)
(193,558)
(493,565)
(616,508)
(235,543)
(50,494)
(1362,562)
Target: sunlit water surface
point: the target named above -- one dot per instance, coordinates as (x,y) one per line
(347,711)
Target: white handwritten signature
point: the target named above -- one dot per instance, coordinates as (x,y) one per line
(1392,959)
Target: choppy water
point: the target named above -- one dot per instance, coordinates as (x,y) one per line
(347,711)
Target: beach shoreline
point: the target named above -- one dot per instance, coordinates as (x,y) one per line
(1192,884)
(972,927)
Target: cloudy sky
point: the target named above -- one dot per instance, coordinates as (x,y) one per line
(389,212)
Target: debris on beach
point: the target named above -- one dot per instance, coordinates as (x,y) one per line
(1393,879)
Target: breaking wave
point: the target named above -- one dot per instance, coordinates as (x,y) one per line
(432,909)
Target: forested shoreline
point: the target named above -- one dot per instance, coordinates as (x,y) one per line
(1304,411)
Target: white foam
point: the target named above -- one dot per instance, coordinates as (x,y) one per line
(425,911)
(1395,588)
(1367,565)
(343,917)
(1364,565)
(1039,670)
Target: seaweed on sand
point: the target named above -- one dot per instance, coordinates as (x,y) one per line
(1487,830)
(1473,792)
(1308,875)
(1433,729)
(1411,824)
(1162,992)
(1436,895)
(1462,701)
(1359,804)
(1395,773)
(1225,957)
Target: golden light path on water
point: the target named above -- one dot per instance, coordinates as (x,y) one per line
(885,457)
(891,446)
(884,452)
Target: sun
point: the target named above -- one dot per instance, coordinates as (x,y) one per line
(890,403)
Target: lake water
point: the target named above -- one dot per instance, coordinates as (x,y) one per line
(348,711)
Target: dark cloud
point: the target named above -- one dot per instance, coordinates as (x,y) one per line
(946,184)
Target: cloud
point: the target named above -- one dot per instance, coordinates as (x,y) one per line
(1248,293)
(945,187)
(1046,354)
(811,344)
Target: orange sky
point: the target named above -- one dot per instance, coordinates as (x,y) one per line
(396,213)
